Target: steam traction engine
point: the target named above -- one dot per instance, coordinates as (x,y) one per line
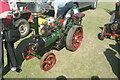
(61,33)
(113,28)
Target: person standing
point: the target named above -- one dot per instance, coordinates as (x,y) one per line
(2,15)
(115,14)
(64,7)
(6,7)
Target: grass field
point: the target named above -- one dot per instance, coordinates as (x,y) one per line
(93,58)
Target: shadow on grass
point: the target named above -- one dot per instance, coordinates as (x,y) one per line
(101,28)
(95,78)
(19,50)
(113,60)
(64,78)
(109,11)
(61,78)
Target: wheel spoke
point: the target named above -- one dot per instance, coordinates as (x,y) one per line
(78,42)
(76,45)
(80,36)
(73,37)
(52,60)
(47,61)
(73,41)
(77,32)
(46,66)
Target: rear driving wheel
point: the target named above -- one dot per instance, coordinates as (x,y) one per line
(48,60)
(74,38)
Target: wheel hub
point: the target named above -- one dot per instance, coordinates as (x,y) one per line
(22,28)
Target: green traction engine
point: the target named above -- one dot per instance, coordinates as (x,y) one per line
(67,32)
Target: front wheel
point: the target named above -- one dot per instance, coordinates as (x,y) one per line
(48,60)
(74,38)
(100,36)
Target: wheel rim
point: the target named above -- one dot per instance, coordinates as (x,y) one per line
(26,54)
(48,61)
(77,38)
(23,28)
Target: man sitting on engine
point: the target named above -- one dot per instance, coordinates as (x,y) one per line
(64,7)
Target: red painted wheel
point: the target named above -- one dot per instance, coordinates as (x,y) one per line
(26,54)
(48,60)
(74,38)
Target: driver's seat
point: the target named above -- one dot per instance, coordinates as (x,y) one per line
(79,15)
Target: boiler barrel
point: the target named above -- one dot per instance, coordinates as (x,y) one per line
(43,42)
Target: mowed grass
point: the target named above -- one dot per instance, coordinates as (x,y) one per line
(93,58)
